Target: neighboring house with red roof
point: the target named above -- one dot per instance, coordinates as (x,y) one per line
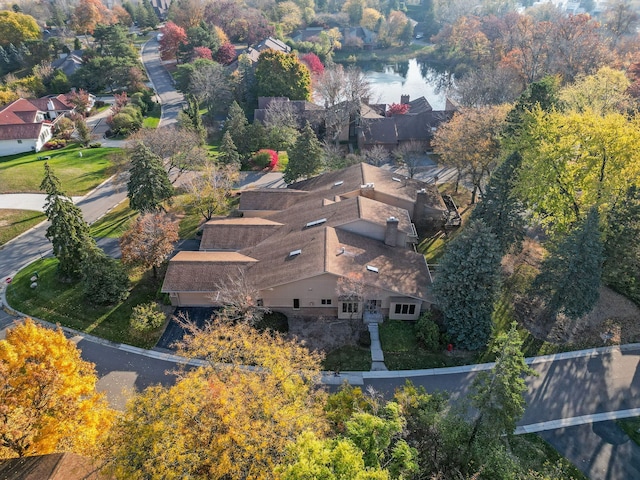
(296,246)
(27,124)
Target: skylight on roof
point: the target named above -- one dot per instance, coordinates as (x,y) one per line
(396,179)
(373,269)
(316,222)
(338,183)
(295,253)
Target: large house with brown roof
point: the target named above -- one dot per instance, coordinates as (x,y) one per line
(301,246)
(27,124)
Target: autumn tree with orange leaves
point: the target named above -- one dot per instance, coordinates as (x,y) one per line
(88,14)
(149,241)
(48,398)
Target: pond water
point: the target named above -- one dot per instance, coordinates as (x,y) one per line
(389,81)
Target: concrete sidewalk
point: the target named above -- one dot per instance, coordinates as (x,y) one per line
(26,201)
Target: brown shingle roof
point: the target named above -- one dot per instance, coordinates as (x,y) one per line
(200,271)
(341,213)
(236,233)
(399,270)
(321,251)
(324,186)
(269,199)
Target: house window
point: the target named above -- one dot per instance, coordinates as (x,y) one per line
(349,307)
(296,304)
(405,309)
(19,141)
(325,301)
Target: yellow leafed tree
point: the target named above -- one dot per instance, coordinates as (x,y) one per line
(48,401)
(231,419)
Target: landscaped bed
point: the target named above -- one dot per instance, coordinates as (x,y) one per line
(63,303)
(78,174)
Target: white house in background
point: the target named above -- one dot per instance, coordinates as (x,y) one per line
(27,124)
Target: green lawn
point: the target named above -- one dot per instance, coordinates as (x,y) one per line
(152,119)
(348,359)
(402,351)
(15,222)
(64,303)
(78,175)
(114,223)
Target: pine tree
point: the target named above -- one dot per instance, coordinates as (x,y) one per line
(104,280)
(4,60)
(621,270)
(500,209)
(499,393)
(68,232)
(569,279)
(149,183)
(305,158)
(467,285)
(236,125)
(84,134)
(228,151)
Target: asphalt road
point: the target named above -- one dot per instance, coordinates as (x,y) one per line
(172,101)
(33,244)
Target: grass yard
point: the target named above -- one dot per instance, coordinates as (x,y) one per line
(152,119)
(433,247)
(15,222)
(114,223)
(78,175)
(348,359)
(64,303)
(631,427)
(403,352)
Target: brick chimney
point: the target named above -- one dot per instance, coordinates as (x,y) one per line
(391,233)
(404,99)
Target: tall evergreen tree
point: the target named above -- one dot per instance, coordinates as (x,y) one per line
(236,125)
(499,393)
(621,269)
(68,232)
(149,183)
(228,151)
(467,285)
(500,209)
(104,280)
(543,94)
(84,134)
(569,279)
(305,158)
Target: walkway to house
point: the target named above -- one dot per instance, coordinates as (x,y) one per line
(377,357)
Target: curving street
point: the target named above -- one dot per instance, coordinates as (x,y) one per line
(568,402)
(171,100)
